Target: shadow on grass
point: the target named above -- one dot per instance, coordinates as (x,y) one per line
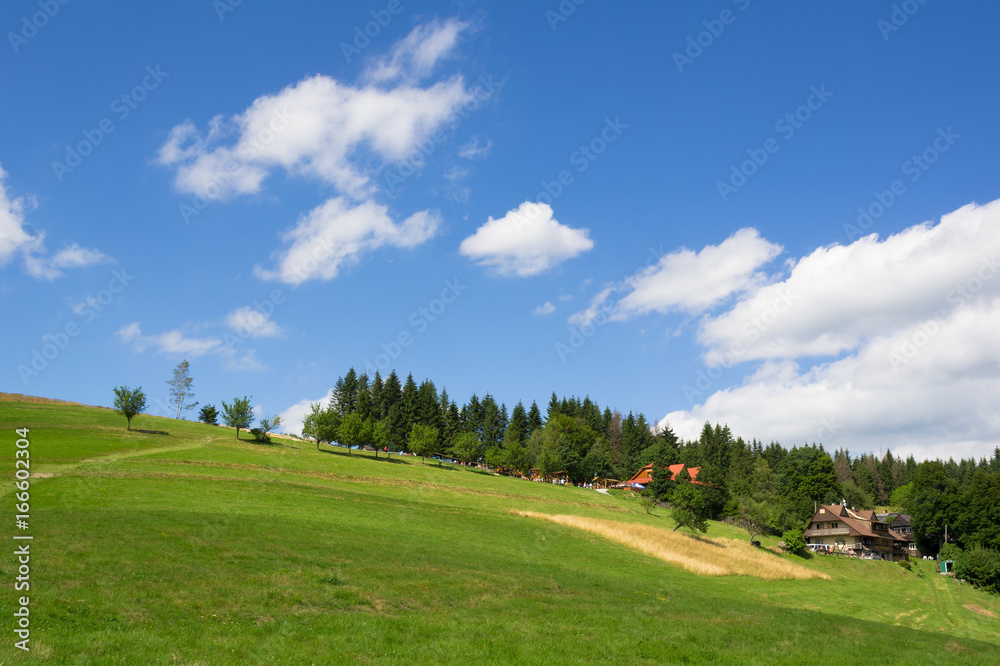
(151,432)
(381,458)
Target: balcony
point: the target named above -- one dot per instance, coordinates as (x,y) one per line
(833,531)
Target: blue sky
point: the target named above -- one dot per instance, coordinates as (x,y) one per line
(776,216)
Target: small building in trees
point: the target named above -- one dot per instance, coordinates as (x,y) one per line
(835,528)
(644,476)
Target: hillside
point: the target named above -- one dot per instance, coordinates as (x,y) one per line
(177,543)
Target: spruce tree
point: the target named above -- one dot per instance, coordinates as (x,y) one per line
(392,393)
(553,406)
(535,422)
(517,428)
(375,390)
(493,423)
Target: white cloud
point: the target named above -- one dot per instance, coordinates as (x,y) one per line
(252,323)
(15,239)
(526,241)
(292,418)
(598,306)
(336,234)
(696,281)
(73,256)
(840,296)
(13,236)
(173,342)
(685,280)
(416,55)
(908,326)
(338,134)
(178,343)
(317,127)
(544,309)
(471,149)
(565,297)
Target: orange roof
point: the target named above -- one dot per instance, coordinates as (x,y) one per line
(645,475)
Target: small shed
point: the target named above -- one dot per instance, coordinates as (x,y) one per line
(946,566)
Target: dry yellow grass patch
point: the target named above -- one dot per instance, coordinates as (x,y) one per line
(707,557)
(979,609)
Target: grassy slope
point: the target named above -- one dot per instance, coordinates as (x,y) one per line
(193,547)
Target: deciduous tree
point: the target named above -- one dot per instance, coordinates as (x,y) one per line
(129,402)
(181,389)
(423,440)
(238,415)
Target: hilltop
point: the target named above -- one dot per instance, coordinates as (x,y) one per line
(176,542)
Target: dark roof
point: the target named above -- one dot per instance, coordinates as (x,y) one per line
(855,521)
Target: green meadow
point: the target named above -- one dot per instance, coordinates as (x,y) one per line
(176,543)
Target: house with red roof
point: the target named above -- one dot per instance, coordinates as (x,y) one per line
(834,528)
(644,476)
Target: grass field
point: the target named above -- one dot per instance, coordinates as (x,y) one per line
(176,543)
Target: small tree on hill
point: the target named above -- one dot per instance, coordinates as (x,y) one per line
(181,389)
(758,503)
(129,402)
(321,424)
(209,414)
(465,447)
(380,434)
(423,440)
(689,505)
(261,432)
(352,431)
(238,415)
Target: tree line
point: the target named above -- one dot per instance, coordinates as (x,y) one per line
(130,402)
(765,489)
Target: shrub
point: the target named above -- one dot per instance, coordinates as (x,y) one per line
(647,501)
(209,414)
(794,541)
(905,564)
(950,551)
(980,567)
